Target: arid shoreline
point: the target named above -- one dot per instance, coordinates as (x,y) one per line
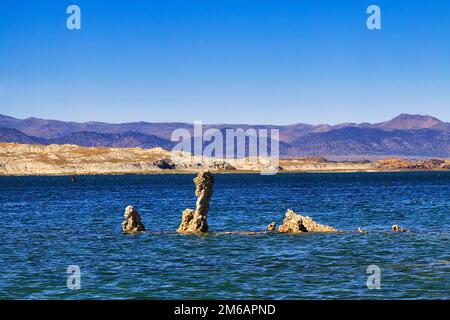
(169,172)
(63,160)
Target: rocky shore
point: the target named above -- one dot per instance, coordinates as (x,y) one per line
(31,159)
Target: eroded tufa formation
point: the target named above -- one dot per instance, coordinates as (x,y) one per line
(296,223)
(132,221)
(194,221)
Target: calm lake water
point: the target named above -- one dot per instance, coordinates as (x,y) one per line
(48,223)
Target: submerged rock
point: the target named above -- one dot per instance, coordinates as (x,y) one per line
(194,221)
(397,228)
(296,223)
(361,230)
(272,226)
(132,221)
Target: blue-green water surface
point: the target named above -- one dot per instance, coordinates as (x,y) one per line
(49,223)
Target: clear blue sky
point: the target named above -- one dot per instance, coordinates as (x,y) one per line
(225,61)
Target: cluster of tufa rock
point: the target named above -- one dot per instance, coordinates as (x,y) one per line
(132,221)
(296,223)
(194,221)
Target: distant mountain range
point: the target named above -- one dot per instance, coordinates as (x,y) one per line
(404,135)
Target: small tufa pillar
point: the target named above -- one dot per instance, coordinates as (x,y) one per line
(272,226)
(132,221)
(194,221)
